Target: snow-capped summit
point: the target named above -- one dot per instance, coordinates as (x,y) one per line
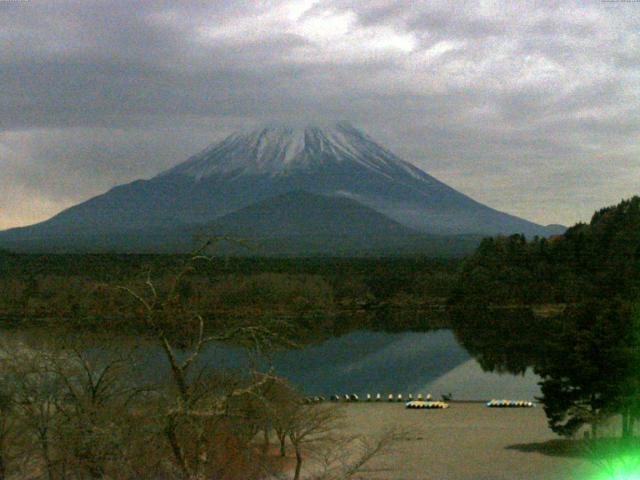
(281,150)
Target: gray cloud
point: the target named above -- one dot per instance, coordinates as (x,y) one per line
(530,108)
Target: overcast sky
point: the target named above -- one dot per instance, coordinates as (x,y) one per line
(530,107)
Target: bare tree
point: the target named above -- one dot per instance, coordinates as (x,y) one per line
(196,408)
(95,413)
(310,425)
(347,457)
(8,430)
(36,396)
(281,404)
(315,434)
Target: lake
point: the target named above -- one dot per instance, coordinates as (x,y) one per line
(410,362)
(358,362)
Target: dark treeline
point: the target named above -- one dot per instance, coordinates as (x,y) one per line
(596,260)
(589,354)
(82,287)
(106,266)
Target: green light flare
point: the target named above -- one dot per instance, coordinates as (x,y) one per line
(624,467)
(614,458)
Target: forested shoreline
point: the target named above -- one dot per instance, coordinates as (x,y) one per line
(84,289)
(588,354)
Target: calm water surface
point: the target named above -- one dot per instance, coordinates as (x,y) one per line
(362,362)
(409,362)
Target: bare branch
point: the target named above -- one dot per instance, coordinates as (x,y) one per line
(141,300)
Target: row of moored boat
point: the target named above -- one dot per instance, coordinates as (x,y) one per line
(352,397)
(418,402)
(510,404)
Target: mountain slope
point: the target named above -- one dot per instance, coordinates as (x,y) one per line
(292,224)
(300,223)
(250,167)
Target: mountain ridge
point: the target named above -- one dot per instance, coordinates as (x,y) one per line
(292,224)
(248,168)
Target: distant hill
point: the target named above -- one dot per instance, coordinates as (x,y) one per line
(300,223)
(299,213)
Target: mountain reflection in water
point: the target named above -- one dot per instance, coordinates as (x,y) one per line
(410,362)
(357,362)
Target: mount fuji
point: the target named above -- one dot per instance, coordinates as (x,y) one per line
(239,181)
